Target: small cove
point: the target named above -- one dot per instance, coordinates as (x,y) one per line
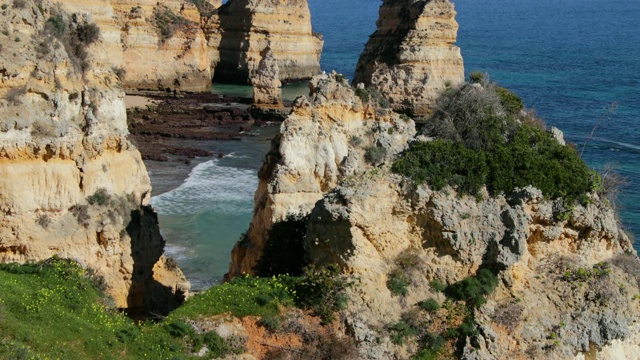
(562,58)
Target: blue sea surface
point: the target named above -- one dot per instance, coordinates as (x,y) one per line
(568,59)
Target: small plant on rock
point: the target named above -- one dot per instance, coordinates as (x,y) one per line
(375,154)
(100,197)
(44,220)
(430,305)
(19,4)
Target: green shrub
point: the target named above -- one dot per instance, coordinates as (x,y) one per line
(75,40)
(398,285)
(119,71)
(375,154)
(355,141)
(372,96)
(363,94)
(477,76)
(44,220)
(4,6)
(440,163)
(56,26)
(451,333)
(171,263)
(100,197)
(473,289)
(433,341)
(400,331)
(480,144)
(468,328)
(168,23)
(426,354)
(511,102)
(87,34)
(216,344)
(323,291)
(178,328)
(81,213)
(437,285)
(271,323)
(430,305)
(204,7)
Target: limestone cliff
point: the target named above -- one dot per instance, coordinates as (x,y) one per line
(71,184)
(152,45)
(265,81)
(249,26)
(182,44)
(324,140)
(566,286)
(371,223)
(411,57)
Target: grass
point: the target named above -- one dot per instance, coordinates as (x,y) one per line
(53,310)
(241,297)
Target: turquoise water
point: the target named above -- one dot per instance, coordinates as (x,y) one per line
(289,91)
(202,217)
(568,59)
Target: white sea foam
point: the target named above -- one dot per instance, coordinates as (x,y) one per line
(234,156)
(177,252)
(210,187)
(622,144)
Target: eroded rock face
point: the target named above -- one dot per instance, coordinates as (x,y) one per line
(565,284)
(176,45)
(371,220)
(71,184)
(323,141)
(411,58)
(266,81)
(153,45)
(249,26)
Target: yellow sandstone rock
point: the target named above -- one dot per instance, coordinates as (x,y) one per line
(71,184)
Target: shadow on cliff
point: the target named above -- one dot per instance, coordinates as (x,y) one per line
(384,46)
(235,24)
(148,297)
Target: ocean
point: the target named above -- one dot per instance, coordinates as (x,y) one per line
(570,60)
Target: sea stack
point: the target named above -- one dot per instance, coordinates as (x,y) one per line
(247,27)
(71,184)
(266,82)
(411,57)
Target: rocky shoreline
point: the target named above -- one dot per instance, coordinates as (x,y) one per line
(200,116)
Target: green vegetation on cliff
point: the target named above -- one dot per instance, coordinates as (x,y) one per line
(484,138)
(53,309)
